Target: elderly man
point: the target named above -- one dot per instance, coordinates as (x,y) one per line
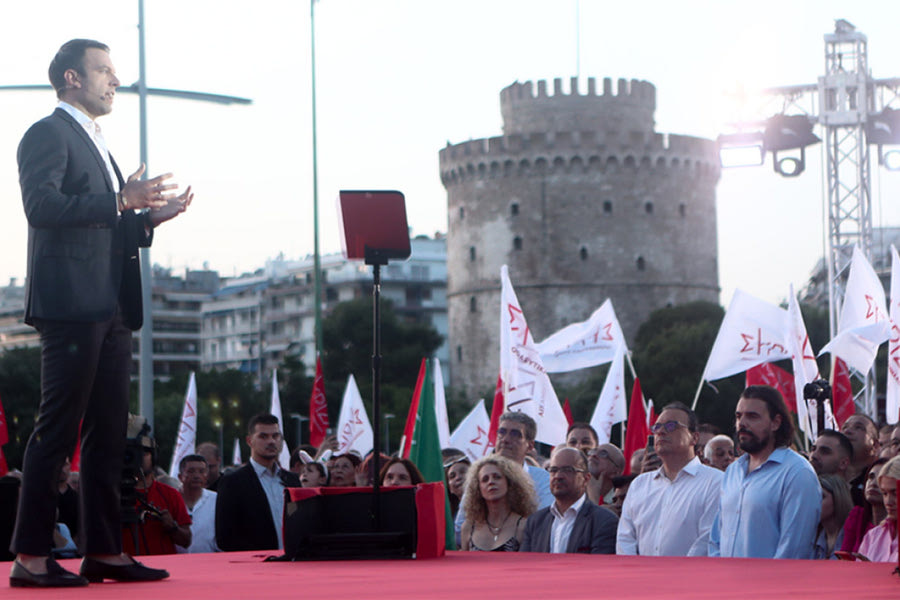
(669,511)
(771,499)
(862,432)
(572,523)
(719,452)
(604,463)
(831,453)
(200,503)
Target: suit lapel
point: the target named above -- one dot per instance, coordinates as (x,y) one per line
(581,521)
(92,147)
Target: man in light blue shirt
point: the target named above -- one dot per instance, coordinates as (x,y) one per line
(771,499)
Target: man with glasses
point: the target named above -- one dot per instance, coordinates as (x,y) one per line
(604,463)
(669,511)
(572,524)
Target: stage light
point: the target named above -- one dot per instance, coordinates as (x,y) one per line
(789,166)
(785,132)
(891,160)
(743,149)
(883,128)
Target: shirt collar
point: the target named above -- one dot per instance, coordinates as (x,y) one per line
(261,470)
(691,469)
(575,507)
(82,119)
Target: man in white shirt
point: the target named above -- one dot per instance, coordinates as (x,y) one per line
(201,504)
(572,523)
(669,511)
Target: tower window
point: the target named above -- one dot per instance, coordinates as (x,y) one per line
(514,209)
(517,243)
(459,353)
(607,207)
(641,263)
(682,209)
(648,208)
(583,253)
(462,213)
(472,253)
(473,304)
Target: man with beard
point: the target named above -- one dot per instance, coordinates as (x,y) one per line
(604,463)
(572,523)
(250,501)
(831,454)
(771,500)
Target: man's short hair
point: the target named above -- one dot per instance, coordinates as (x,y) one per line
(581,460)
(261,419)
(873,430)
(843,440)
(190,458)
(620,481)
(776,406)
(526,421)
(581,425)
(708,449)
(211,449)
(70,56)
(691,415)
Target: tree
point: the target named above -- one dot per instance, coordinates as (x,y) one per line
(347,348)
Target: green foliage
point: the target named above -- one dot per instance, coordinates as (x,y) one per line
(347,342)
(20,394)
(670,353)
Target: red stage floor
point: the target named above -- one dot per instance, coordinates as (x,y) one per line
(498,576)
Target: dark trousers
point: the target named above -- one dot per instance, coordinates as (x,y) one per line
(85,371)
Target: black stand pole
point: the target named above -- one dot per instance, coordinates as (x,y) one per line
(376,389)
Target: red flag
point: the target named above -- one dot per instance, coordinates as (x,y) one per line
(76,456)
(496,411)
(406,440)
(4,434)
(4,469)
(318,409)
(842,392)
(776,377)
(637,429)
(568,412)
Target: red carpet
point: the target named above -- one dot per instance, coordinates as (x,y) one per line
(498,576)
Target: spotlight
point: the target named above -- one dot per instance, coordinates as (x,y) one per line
(789,166)
(785,132)
(744,149)
(890,160)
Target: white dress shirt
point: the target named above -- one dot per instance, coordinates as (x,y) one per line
(203,525)
(273,486)
(561,529)
(93,130)
(663,517)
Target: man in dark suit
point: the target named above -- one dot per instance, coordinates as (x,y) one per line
(250,501)
(572,523)
(83,294)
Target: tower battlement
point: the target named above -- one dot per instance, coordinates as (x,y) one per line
(526,110)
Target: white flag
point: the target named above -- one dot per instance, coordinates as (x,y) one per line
(354,429)
(284,457)
(752,333)
(611,405)
(471,435)
(187,431)
(892,400)
(864,324)
(526,386)
(803,361)
(236,459)
(440,406)
(586,344)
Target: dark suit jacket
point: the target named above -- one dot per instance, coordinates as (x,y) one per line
(82,256)
(594,531)
(243,518)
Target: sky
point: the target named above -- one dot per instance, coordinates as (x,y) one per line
(396,80)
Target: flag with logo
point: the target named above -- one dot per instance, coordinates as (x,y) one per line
(864,323)
(318,409)
(752,332)
(803,361)
(526,385)
(354,429)
(637,431)
(186,442)
(611,406)
(425,451)
(586,344)
(440,403)
(892,398)
(471,435)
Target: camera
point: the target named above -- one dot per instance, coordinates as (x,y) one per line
(818,390)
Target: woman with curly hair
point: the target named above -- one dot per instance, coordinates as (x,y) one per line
(499,497)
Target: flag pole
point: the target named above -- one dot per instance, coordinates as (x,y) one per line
(697,395)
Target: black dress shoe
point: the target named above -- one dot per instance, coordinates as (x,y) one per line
(55,576)
(96,571)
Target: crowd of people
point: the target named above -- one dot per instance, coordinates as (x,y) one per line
(684,495)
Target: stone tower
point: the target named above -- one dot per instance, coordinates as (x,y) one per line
(584,201)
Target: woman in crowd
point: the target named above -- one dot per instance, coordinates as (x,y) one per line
(862,518)
(836,505)
(880,543)
(342,469)
(455,470)
(499,496)
(400,471)
(367,472)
